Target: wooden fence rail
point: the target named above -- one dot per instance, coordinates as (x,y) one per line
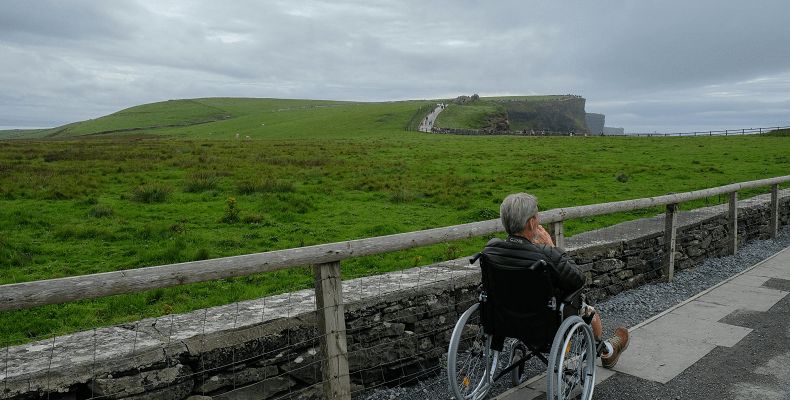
(327,257)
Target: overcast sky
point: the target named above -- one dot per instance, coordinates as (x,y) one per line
(665,66)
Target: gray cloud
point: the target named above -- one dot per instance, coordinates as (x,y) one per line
(647,66)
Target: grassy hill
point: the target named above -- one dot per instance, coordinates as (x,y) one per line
(150,117)
(315,172)
(473,115)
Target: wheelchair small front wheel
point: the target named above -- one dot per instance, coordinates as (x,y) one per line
(517,352)
(572,361)
(471,363)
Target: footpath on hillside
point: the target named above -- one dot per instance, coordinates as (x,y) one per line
(426,125)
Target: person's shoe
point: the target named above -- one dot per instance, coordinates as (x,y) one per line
(619,343)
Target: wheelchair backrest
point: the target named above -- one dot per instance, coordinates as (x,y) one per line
(518,299)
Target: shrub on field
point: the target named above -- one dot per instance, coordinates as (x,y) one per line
(232,212)
(200,182)
(152,193)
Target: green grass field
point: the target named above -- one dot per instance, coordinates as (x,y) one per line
(317,172)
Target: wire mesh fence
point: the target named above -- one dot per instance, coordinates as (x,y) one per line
(397,328)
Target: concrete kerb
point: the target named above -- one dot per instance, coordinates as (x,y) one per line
(529,384)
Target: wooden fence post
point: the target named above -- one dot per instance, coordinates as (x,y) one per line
(557,234)
(733,247)
(670,239)
(773,222)
(332,327)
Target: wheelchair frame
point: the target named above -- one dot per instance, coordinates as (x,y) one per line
(472,364)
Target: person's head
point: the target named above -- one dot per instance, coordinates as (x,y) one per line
(516,210)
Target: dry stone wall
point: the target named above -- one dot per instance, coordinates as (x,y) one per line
(398,325)
(621,258)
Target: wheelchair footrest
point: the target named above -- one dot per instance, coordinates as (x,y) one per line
(599,348)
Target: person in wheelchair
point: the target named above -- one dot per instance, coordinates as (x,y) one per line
(527,240)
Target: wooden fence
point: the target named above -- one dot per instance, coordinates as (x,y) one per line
(326,261)
(726,132)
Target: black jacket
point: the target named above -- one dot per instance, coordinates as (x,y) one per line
(564,272)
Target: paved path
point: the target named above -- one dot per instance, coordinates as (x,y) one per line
(731,341)
(426,125)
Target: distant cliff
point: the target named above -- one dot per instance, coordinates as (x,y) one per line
(560,114)
(595,122)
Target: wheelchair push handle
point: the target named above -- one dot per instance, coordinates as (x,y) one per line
(538,265)
(475,258)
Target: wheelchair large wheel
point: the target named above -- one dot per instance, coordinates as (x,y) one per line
(572,361)
(471,364)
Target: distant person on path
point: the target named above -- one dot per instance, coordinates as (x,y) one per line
(519,214)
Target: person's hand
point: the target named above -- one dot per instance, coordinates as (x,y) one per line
(543,237)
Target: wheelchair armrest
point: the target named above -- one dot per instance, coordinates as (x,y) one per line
(573,297)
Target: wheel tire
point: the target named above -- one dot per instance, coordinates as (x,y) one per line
(572,361)
(471,365)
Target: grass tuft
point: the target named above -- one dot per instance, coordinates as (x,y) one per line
(100,211)
(151,193)
(202,254)
(201,182)
(403,196)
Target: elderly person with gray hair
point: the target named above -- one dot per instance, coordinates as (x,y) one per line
(519,215)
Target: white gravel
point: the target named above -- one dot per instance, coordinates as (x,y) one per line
(626,309)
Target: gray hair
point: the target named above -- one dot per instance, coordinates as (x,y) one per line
(516,210)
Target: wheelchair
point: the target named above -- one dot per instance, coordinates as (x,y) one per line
(517,311)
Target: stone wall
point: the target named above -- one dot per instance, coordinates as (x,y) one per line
(398,324)
(627,255)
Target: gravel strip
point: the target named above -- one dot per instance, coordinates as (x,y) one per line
(626,309)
